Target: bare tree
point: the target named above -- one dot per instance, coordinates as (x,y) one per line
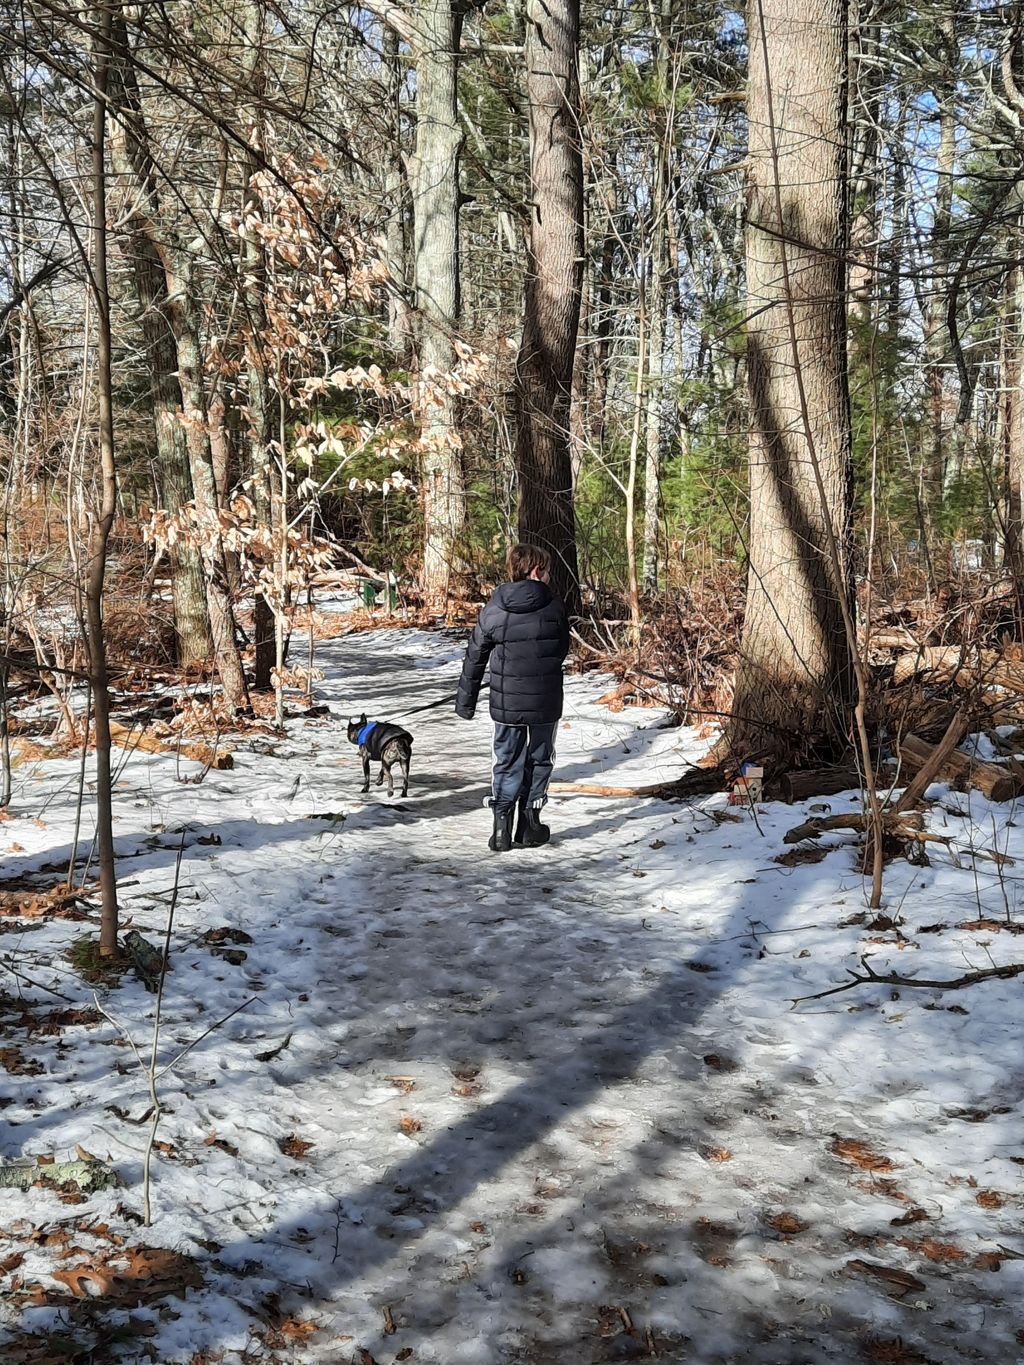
(554,280)
(434,179)
(103,515)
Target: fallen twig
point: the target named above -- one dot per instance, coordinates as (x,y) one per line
(956,983)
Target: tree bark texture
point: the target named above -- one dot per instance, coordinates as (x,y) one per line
(435,192)
(174,479)
(181,288)
(399,320)
(794,681)
(1011,428)
(554,279)
(188,586)
(103,515)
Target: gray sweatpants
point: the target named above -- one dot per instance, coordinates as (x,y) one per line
(524,756)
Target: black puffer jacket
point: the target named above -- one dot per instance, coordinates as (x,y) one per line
(524,632)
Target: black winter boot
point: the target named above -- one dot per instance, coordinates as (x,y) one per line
(501,840)
(530,833)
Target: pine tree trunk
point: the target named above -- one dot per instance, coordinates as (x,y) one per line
(435,193)
(794,681)
(554,279)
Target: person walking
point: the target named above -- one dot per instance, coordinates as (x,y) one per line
(523,632)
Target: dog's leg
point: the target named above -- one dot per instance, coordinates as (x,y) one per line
(366,771)
(391,780)
(380,775)
(405,774)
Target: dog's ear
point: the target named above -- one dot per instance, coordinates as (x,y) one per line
(362,719)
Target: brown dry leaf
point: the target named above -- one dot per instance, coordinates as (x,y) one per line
(290,1331)
(914,1215)
(405,1084)
(467,1091)
(132,1276)
(59,900)
(11,1262)
(102,1231)
(989,1260)
(214,1141)
(715,1153)
(899,1282)
(405,1353)
(658,843)
(787,1223)
(860,1154)
(409,1125)
(888,1189)
(13,1062)
(943,1253)
(990,1199)
(295,1146)
(55,1349)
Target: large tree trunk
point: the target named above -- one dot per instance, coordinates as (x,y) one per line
(174,480)
(794,680)
(435,191)
(554,278)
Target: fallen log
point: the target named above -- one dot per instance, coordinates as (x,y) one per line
(87,1175)
(967,667)
(697,782)
(131,738)
(805,785)
(899,825)
(904,826)
(995,782)
(787,786)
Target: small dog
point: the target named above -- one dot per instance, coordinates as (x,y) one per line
(384,743)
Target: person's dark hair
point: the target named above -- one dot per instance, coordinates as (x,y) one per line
(523,559)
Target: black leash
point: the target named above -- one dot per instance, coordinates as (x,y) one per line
(433,705)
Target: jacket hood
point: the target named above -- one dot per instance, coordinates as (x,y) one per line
(529,594)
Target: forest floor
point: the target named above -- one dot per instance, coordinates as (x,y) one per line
(555,1106)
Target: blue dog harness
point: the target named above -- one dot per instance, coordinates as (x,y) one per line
(364,732)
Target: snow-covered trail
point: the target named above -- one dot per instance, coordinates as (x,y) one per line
(560,1108)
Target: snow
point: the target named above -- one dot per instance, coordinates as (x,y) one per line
(607,1092)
